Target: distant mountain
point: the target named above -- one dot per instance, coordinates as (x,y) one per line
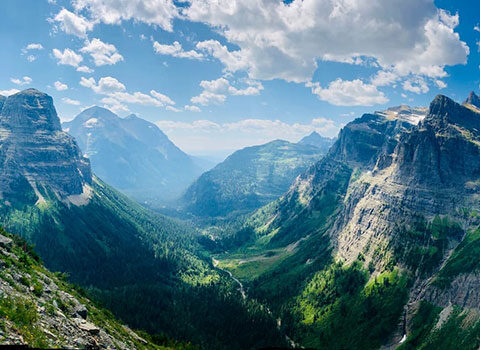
(144,267)
(133,155)
(315,139)
(249,178)
(472,100)
(378,243)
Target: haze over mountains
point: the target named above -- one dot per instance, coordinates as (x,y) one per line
(133,155)
(252,177)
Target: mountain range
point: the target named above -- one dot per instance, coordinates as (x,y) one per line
(370,243)
(143,266)
(252,177)
(375,245)
(133,155)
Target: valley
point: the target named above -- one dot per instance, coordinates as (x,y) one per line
(373,245)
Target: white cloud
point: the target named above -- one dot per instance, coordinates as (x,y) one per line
(477,28)
(154,12)
(9,92)
(102,53)
(384,78)
(114,105)
(207,97)
(32,46)
(84,69)
(216,91)
(31,58)
(70,101)
(285,41)
(106,85)
(23,81)
(440,84)
(60,86)
(416,85)
(73,24)
(206,136)
(161,97)
(175,50)
(232,60)
(68,57)
(173,109)
(349,93)
(192,108)
(117,97)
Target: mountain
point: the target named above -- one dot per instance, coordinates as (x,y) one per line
(249,178)
(40,309)
(377,243)
(315,139)
(144,267)
(472,100)
(133,155)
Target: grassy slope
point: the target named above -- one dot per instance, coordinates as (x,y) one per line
(21,311)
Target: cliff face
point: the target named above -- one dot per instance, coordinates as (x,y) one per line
(392,193)
(37,157)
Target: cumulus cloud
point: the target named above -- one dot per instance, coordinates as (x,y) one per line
(416,85)
(192,108)
(106,85)
(349,93)
(9,92)
(70,101)
(117,97)
(84,69)
(175,50)
(440,84)
(285,41)
(154,12)
(216,91)
(102,53)
(23,81)
(68,57)
(384,78)
(73,24)
(32,46)
(60,86)
(206,135)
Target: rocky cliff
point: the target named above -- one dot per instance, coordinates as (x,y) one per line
(36,155)
(395,193)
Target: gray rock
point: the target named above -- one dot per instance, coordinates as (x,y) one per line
(35,153)
(5,241)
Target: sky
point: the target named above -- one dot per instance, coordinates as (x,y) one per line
(219,75)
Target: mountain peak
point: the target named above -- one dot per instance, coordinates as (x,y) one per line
(444,111)
(473,100)
(36,154)
(29,109)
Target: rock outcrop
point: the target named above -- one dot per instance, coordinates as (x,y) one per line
(37,158)
(40,310)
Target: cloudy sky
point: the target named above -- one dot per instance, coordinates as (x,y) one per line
(217,75)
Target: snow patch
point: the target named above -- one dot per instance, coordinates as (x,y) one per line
(92,122)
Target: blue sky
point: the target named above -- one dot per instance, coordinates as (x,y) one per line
(220,75)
